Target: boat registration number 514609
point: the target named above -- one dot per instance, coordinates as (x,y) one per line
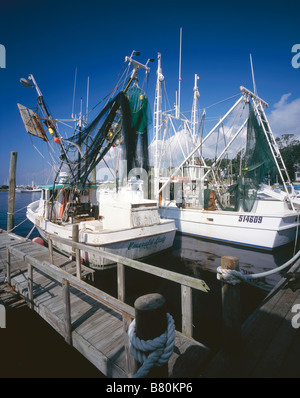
(254,219)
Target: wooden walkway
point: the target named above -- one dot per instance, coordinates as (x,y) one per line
(90,320)
(270,341)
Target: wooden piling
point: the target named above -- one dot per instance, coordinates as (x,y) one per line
(12,191)
(151,322)
(76,252)
(231,309)
(67,310)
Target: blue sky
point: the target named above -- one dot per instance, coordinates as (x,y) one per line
(49,39)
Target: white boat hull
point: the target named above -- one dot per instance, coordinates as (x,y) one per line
(133,243)
(261,230)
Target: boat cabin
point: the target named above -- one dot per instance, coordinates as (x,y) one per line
(64,204)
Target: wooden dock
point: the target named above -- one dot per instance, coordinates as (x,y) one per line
(270,337)
(90,320)
(94,322)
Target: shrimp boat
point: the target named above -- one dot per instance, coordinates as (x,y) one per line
(122,221)
(223,189)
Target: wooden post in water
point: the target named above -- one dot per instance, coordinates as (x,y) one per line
(151,322)
(231,309)
(12,191)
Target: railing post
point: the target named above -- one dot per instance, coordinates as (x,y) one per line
(131,363)
(30,286)
(78,263)
(67,310)
(76,252)
(121,282)
(8,268)
(187,310)
(231,309)
(50,248)
(75,236)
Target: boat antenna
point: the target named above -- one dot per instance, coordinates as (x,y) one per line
(87,98)
(179,82)
(253,80)
(74,93)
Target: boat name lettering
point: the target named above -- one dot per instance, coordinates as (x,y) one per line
(149,242)
(251,219)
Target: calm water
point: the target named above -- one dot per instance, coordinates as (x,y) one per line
(21,201)
(189,256)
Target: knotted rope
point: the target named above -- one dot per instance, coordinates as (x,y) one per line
(233,276)
(230,275)
(160,348)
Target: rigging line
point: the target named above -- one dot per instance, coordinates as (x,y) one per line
(237,115)
(30,232)
(16,211)
(108,168)
(220,102)
(16,225)
(111,92)
(40,153)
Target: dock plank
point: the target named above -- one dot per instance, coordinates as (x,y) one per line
(267,340)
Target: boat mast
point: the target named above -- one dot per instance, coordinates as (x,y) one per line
(195,118)
(253,80)
(201,143)
(179,82)
(157,122)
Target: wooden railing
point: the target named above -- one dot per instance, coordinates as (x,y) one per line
(187,283)
(65,279)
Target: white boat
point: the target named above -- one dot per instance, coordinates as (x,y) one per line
(204,198)
(128,226)
(29,189)
(123,222)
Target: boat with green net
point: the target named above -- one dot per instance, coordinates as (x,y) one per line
(121,220)
(222,186)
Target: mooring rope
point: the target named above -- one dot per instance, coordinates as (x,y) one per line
(234,276)
(160,348)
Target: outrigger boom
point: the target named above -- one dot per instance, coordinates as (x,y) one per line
(246,91)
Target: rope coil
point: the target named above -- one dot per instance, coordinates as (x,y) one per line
(160,348)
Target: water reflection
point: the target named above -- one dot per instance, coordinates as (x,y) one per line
(200,255)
